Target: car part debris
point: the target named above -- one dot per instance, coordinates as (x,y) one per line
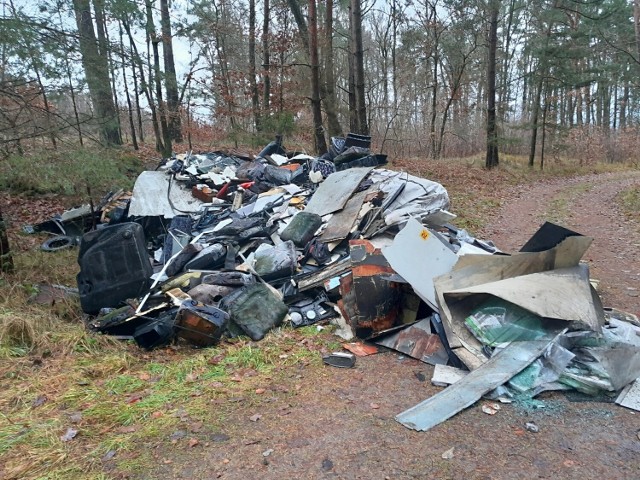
(340,360)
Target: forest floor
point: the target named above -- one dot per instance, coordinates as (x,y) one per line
(272,410)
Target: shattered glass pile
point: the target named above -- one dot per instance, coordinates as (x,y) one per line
(241,245)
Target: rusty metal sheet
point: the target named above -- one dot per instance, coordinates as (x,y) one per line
(370,302)
(333,194)
(361,349)
(418,342)
(341,223)
(468,390)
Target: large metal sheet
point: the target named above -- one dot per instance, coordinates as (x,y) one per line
(630,396)
(150,197)
(341,223)
(419,256)
(333,194)
(474,270)
(562,294)
(418,342)
(468,390)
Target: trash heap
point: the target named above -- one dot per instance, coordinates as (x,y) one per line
(240,245)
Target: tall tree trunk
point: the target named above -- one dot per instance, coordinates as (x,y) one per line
(170,81)
(433,22)
(155,78)
(330,100)
(636,23)
(255,97)
(132,126)
(321,144)
(358,64)
(534,121)
(492,130)
(97,74)
(266,64)
(6,259)
(146,89)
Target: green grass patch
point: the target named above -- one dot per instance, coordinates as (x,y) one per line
(69,172)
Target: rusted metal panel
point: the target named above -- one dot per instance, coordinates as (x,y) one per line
(418,342)
(370,302)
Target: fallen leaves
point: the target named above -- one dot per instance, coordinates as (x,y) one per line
(255,418)
(69,435)
(448,455)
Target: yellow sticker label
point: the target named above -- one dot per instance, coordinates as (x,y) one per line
(424,234)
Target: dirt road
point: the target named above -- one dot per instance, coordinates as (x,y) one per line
(323,422)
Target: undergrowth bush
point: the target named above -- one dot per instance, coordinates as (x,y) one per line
(69,172)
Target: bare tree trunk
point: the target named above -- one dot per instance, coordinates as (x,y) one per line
(636,23)
(97,73)
(170,81)
(492,130)
(534,121)
(321,145)
(266,64)
(6,259)
(358,61)
(255,97)
(132,126)
(330,100)
(145,88)
(155,79)
(71,89)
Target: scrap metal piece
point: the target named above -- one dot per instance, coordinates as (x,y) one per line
(370,302)
(418,342)
(333,194)
(630,396)
(342,222)
(468,390)
(340,360)
(152,197)
(419,256)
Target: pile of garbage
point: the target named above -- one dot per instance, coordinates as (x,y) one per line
(222,244)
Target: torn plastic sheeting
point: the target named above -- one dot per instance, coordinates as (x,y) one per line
(151,196)
(419,197)
(419,256)
(464,393)
(418,342)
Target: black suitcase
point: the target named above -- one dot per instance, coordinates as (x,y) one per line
(114,266)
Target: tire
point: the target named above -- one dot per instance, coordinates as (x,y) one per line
(59,242)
